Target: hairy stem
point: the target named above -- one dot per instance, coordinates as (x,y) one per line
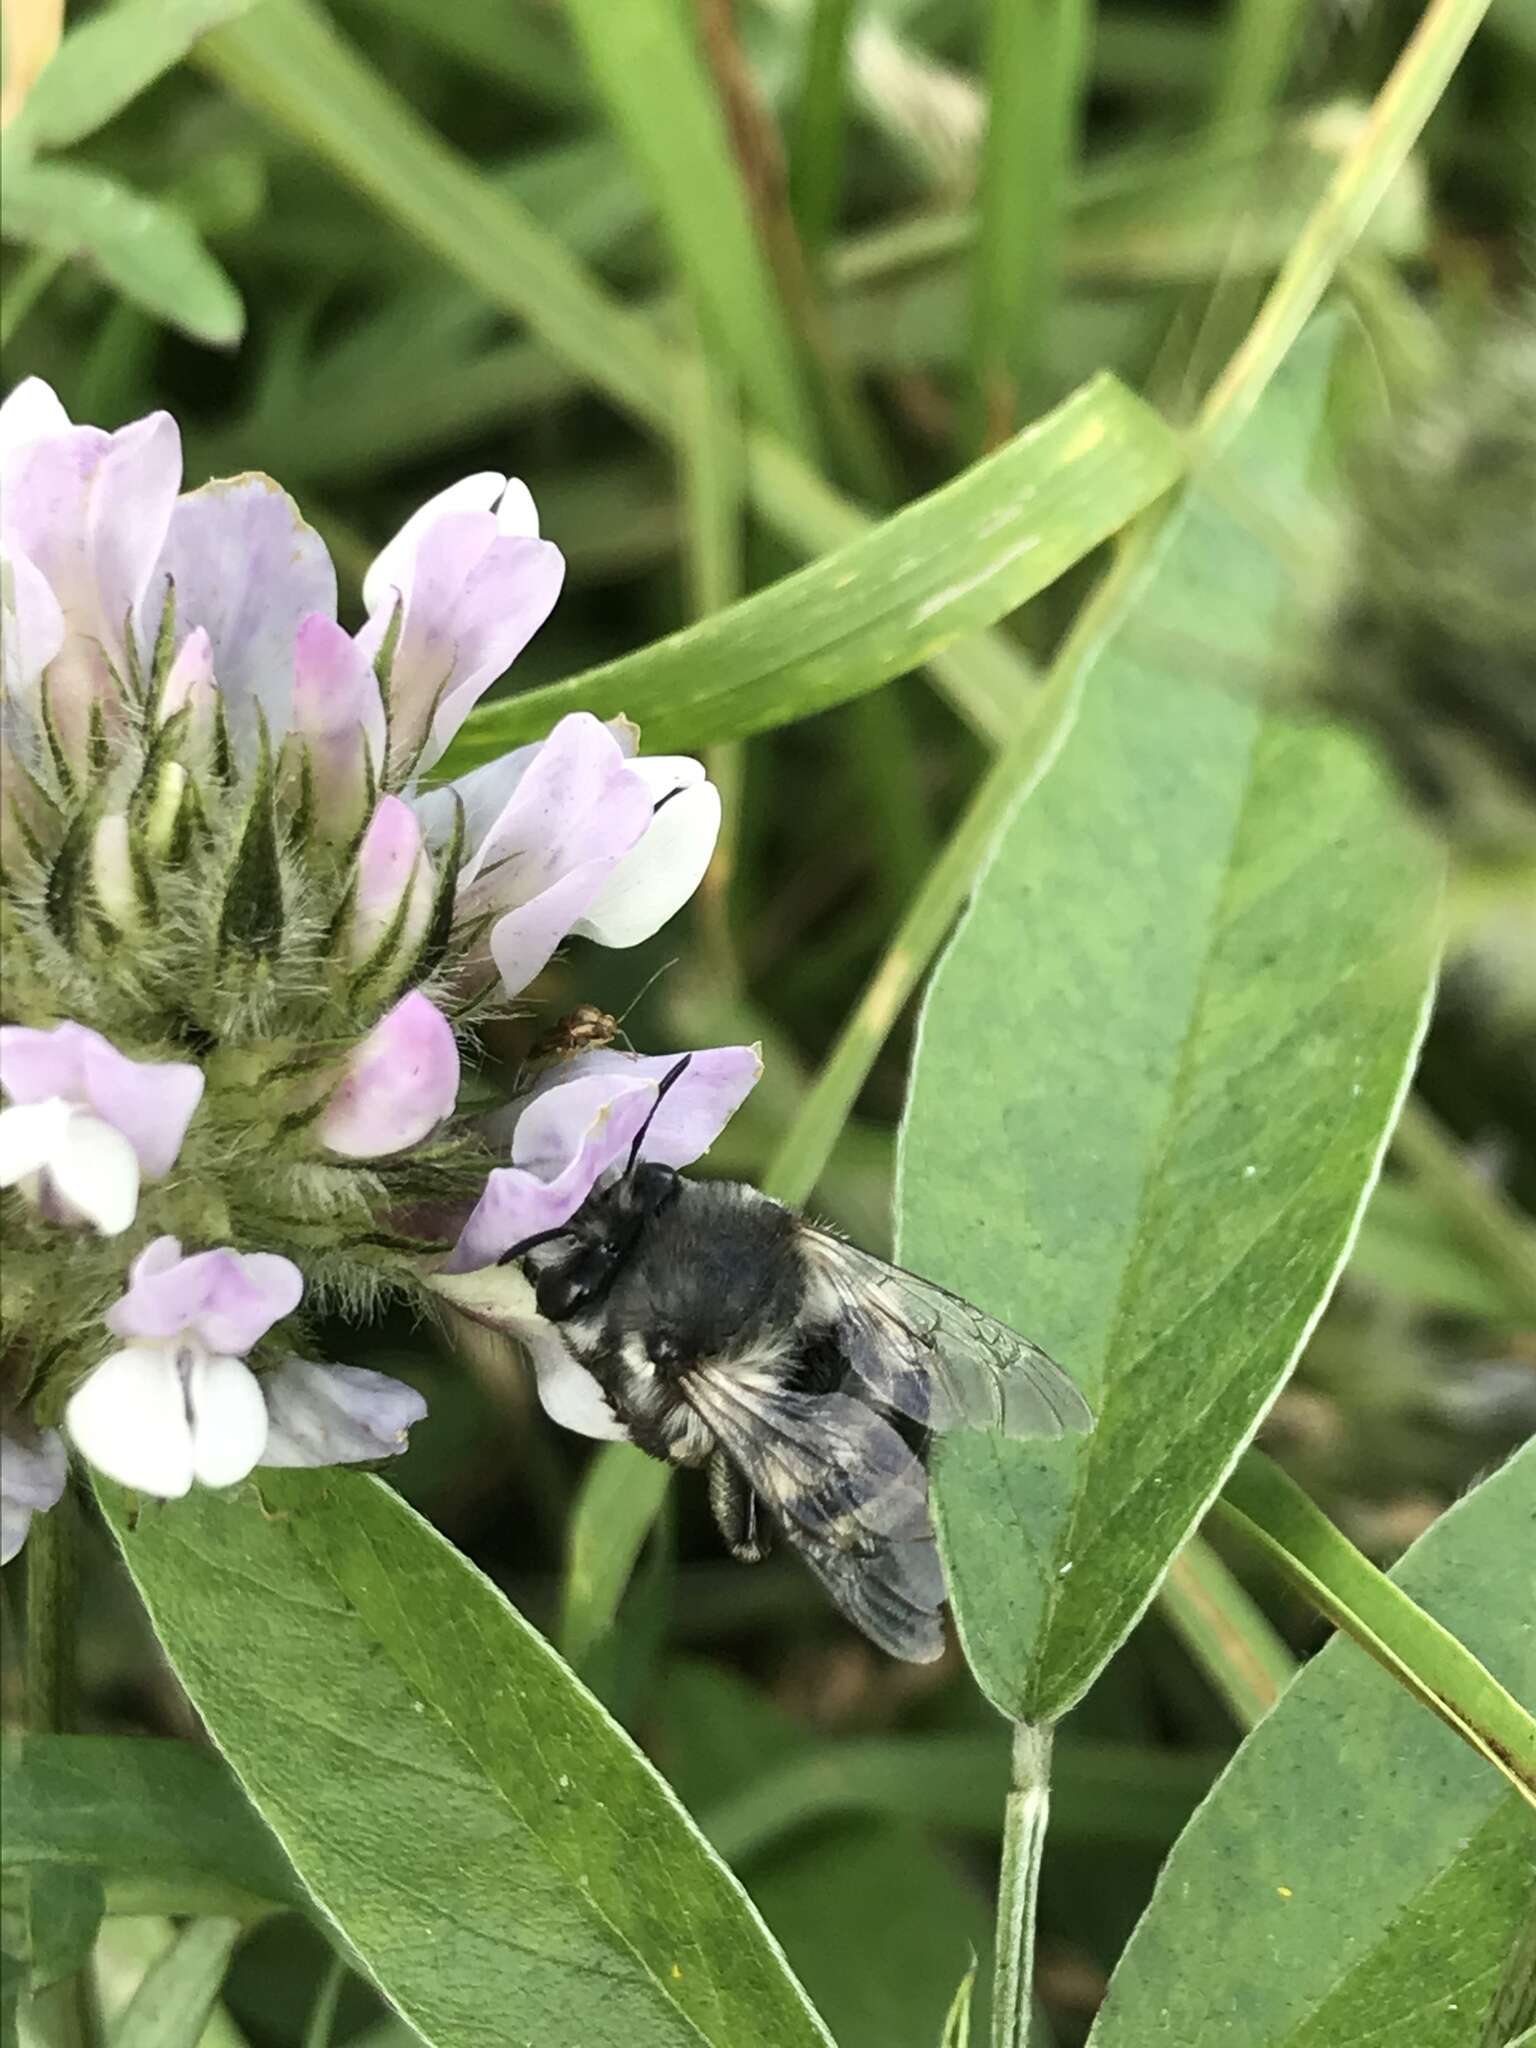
(1024,1821)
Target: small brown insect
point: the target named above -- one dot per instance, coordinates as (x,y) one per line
(580,1030)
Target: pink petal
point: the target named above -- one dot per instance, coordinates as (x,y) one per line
(400,1083)
(227,1299)
(31,626)
(394,566)
(90,510)
(519,1203)
(338,716)
(248,570)
(476,598)
(392,868)
(150,1102)
(695,1110)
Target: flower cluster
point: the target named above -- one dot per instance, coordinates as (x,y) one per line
(247,948)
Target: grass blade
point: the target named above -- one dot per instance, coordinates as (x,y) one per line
(1226,1632)
(821,124)
(1036,62)
(1271,1510)
(963,557)
(643,56)
(170,2009)
(620,1497)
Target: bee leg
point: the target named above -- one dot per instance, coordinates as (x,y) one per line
(734,1507)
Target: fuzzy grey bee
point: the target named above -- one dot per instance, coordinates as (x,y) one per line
(727,1332)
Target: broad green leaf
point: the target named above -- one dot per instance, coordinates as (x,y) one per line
(957,560)
(1357,1875)
(491,1846)
(108,61)
(1193,980)
(150,252)
(160,1823)
(170,2009)
(644,56)
(879,1956)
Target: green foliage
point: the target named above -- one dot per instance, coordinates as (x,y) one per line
(1357,1871)
(1162,1178)
(1151,1093)
(520,1844)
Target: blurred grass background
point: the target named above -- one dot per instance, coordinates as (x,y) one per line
(890,281)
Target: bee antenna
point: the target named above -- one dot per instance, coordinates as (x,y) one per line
(669,1079)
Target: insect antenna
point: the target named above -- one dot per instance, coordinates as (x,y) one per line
(669,1080)
(639,997)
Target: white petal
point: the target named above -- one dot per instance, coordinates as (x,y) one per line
(653,881)
(568,1391)
(392,566)
(96,1171)
(229,1419)
(130,1419)
(516,512)
(32,412)
(664,773)
(30,1134)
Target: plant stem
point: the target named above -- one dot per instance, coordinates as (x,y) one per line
(51,1577)
(66,2014)
(1226,1633)
(1493,1232)
(33,279)
(321,2024)
(821,122)
(1024,1823)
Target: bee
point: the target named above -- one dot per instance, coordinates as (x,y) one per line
(807,1377)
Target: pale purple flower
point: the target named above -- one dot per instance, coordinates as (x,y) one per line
(469,583)
(394,887)
(247,571)
(83,516)
(338,724)
(579,1123)
(573,836)
(33,1469)
(336,1414)
(85,1123)
(178,1403)
(399,1083)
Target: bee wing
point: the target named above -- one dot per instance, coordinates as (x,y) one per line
(932,1356)
(848,1494)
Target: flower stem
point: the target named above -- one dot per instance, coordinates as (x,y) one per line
(1024,1820)
(66,2014)
(51,1580)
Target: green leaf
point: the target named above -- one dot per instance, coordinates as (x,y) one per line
(1271,1510)
(51,1913)
(959,559)
(162,1823)
(150,252)
(108,61)
(170,2009)
(957,2021)
(619,1500)
(1194,977)
(483,1836)
(1357,1874)
(879,1957)
(644,56)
